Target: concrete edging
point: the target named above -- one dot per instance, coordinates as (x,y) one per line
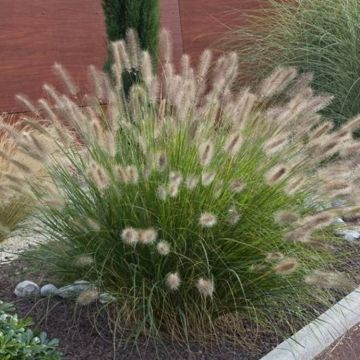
(315,337)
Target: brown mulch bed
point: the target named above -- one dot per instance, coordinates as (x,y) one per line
(80,339)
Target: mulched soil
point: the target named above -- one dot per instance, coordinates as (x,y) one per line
(81,340)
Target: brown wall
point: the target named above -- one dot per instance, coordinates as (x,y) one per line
(34,34)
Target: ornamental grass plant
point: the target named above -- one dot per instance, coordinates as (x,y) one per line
(23,152)
(192,203)
(316,36)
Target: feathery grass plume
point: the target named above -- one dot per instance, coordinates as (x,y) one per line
(96,78)
(160,161)
(173,281)
(207,178)
(87,297)
(295,184)
(132,174)
(64,75)
(130,236)
(84,261)
(329,280)
(233,215)
(321,130)
(162,192)
(205,287)
(233,144)
(350,149)
(206,152)
(318,37)
(237,186)
(301,235)
(163,248)
(147,236)
(276,144)
(274,256)
(277,81)
(173,189)
(276,174)
(286,266)
(99,176)
(25,101)
(191,182)
(166,51)
(286,217)
(175,177)
(225,229)
(318,221)
(335,185)
(207,220)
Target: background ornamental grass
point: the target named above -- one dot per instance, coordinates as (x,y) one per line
(317,36)
(192,203)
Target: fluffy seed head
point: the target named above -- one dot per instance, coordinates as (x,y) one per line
(99,176)
(160,162)
(121,174)
(130,236)
(294,185)
(328,280)
(233,216)
(87,297)
(173,281)
(162,192)
(163,247)
(275,144)
(205,287)
(274,256)
(237,186)
(175,177)
(84,261)
(233,144)
(132,174)
(206,152)
(286,266)
(173,190)
(318,221)
(147,236)
(191,182)
(298,235)
(208,220)
(276,174)
(207,178)
(286,217)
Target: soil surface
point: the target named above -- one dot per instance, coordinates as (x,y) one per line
(346,347)
(80,339)
(85,333)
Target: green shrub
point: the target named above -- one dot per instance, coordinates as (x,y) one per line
(317,36)
(18,342)
(191,203)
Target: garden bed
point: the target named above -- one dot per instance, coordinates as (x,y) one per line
(84,332)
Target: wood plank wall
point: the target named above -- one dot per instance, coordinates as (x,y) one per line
(34,34)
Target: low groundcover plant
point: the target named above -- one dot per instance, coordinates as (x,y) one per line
(190,202)
(17,341)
